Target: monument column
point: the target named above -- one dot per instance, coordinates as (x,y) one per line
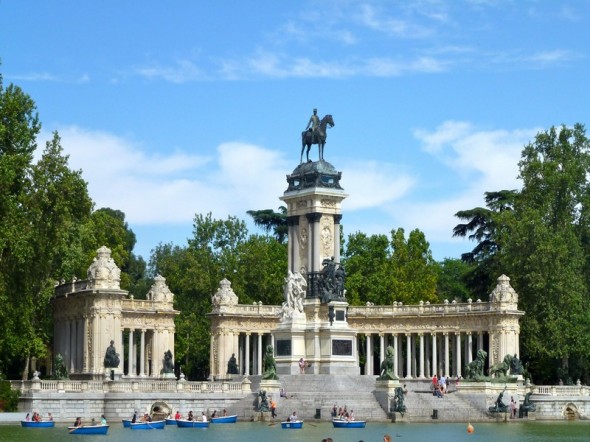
(337,219)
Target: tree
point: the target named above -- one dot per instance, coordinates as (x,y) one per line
(451,280)
(547,251)
(381,271)
(413,270)
(484,226)
(366,260)
(269,220)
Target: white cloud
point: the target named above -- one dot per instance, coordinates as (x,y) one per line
(171,188)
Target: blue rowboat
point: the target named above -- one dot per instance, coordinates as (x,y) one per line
(42,424)
(89,429)
(339,423)
(126,423)
(292,424)
(155,425)
(170,421)
(225,419)
(183,423)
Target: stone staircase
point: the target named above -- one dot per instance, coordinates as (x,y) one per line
(423,406)
(313,396)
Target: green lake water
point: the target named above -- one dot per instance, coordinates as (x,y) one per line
(315,432)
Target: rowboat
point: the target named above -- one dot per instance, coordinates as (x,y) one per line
(170,421)
(126,423)
(89,429)
(183,423)
(292,424)
(41,424)
(155,425)
(225,419)
(340,423)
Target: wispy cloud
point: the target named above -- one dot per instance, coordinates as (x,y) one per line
(180,71)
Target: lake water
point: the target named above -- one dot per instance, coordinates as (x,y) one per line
(315,432)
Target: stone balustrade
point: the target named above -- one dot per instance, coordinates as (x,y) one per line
(131,385)
(561,390)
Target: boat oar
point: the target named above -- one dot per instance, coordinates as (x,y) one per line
(313,425)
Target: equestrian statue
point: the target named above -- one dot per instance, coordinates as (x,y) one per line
(315,133)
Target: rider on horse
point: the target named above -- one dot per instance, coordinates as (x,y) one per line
(314,122)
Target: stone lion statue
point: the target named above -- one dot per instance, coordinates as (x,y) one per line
(475,368)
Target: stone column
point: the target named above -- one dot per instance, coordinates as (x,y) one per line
(142,354)
(130,350)
(469,354)
(396,359)
(446,335)
(421,335)
(409,355)
(458,354)
(369,362)
(337,219)
(434,354)
(381,347)
(247,358)
(259,356)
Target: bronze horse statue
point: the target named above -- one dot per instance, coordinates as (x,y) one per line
(308,137)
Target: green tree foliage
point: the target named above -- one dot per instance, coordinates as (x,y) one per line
(485,226)
(366,260)
(43,206)
(413,271)
(255,265)
(269,220)
(451,280)
(540,238)
(381,271)
(547,252)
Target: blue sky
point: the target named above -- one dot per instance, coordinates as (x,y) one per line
(183,107)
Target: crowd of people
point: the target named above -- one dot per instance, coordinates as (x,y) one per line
(440,386)
(36,417)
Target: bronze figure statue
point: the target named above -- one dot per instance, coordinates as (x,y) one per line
(317,134)
(111,357)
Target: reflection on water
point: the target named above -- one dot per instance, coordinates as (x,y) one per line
(264,432)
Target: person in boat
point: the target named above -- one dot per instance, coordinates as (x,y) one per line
(214,414)
(190,416)
(103,420)
(134,418)
(49,417)
(177,416)
(78,422)
(224,412)
(203,417)
(351,415)
(28,417)
(294,417)
(36,417)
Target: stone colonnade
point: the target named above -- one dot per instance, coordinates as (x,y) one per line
(427,339)
(90,314)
